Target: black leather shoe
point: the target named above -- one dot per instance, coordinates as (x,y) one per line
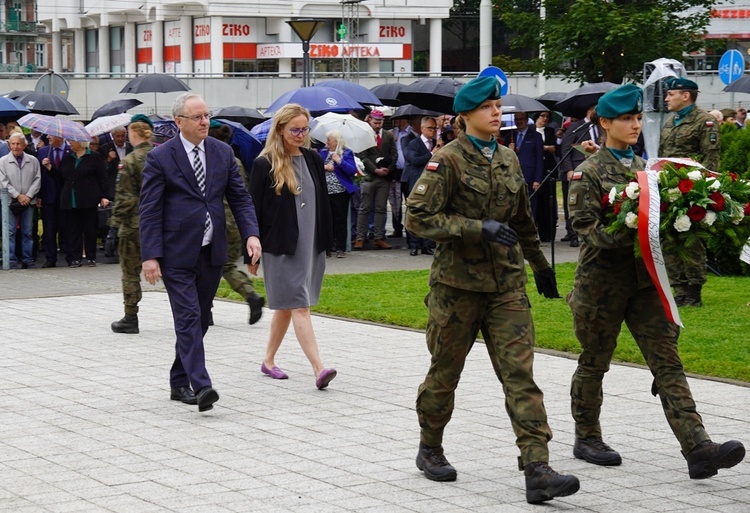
(128,324)
(544,484)
(427,251)
(414,252)
(48,264)
(707,458)
(432,462)
(207,396)
(183,394)
(595,451)
(574,243)
(256,302)
(396,235)
(567,238)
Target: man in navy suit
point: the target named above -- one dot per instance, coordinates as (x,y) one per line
(184,238)
(50,157)
(529,146)
(417,154)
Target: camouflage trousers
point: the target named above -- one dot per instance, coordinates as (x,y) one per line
(686,270)
(455,318)
(237,279)
(129,248)
(598,314)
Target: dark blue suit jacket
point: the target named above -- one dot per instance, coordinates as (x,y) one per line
(52,180)
(173,209)
(416,157)
(530,154)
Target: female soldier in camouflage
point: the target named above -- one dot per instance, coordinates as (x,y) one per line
(472,200)
(612,286)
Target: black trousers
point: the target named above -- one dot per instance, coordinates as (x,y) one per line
(81,226)
(339,212)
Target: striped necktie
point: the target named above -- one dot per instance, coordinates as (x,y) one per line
(200,175)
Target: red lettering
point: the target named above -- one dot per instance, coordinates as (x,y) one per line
(148,35)
(235,29)
(390,31)
(324,50)
(202,30)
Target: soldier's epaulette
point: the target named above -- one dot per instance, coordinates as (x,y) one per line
(577,175)
(432,166)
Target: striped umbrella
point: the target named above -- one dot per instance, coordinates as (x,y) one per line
(58,127)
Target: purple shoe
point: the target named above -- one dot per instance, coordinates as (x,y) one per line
(274,372)
(325,377)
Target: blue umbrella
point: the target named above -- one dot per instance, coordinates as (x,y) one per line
(316,99)
(261,131)
(358,92)
(249,145)
(11,108)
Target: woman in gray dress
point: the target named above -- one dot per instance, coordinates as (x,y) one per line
(289,191)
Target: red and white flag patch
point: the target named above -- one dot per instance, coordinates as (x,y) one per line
(577,175)
(709,123)
(432,166)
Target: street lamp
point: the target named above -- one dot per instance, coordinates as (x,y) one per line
(305,28)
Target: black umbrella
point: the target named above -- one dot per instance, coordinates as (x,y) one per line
(577,102)
(15,93)
(46,103)
(115,107)
(431,93)
(243,115)
(550,99)
(520,103)
(359,92)
(155,83)
(409,110)
(387,93)
(741,85)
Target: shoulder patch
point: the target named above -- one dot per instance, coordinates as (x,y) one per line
(432,166)
(712,138)
(577,175)
(420,189)
(120,166)
(709,123)
(572,198)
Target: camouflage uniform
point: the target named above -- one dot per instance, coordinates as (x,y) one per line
(696,137)
(477,285)
(612,286)
(125,219)
(237,279)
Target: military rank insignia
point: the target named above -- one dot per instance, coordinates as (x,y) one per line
(432,166)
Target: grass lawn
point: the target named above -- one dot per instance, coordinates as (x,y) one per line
(713,343)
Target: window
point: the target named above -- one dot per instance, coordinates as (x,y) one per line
(40,55)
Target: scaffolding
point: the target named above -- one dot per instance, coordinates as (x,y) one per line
(348,38)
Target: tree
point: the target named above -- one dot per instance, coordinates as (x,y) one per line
(605,40)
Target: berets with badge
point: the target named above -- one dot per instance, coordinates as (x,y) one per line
(680,83)
(475,92)
(627,99)
(142,118)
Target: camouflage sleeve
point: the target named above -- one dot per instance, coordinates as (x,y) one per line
(126,205)
(243,174)
(711,146)
(587,215)
(428,214)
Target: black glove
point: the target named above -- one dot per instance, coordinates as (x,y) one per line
(546,283)
(495,231)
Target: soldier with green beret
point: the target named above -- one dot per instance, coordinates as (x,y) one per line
(472,200)
(611,286)
(125,219)
(690,133)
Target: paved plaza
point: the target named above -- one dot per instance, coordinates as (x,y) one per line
(86,424)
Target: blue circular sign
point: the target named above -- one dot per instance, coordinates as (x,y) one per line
(494,71)
(731,66)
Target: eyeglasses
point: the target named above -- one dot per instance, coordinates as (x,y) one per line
(296,132)
(430,128)
(197,118)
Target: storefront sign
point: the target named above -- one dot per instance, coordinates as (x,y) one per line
(335,51)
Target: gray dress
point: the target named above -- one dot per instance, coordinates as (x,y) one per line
(294,281)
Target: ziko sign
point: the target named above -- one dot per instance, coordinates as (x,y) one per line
(335,51)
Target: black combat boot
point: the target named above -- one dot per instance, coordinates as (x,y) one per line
(543,483)
(693,296)
(707,458)
(595,451)
(128,324)
(432,462)
(255,301)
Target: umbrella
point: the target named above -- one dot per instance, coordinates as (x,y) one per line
(316,99)
(105,124)
(550,99)
(11,108)
(521,103)
(431,93)
(741,85)
(116,107)
(249,145)
(155,83)
(46,103)
(409,110)
(388,93)
(577,102)
(358,92)
(15,93)
(58,127)
(358,135)
(164,130)
(261,131)
(243,115)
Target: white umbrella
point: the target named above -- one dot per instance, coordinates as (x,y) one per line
(106,124)
(357,134)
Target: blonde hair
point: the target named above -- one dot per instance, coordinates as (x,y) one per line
(143,129)
(459,124)
(282,170)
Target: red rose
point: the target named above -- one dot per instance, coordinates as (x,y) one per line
(617,208)
(696,213)
(734,176)
(663,207)
(747,209)
(605,201)
(718,200)
(685,186)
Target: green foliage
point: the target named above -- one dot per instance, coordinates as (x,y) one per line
(511,65)
(605,40)
(735,150)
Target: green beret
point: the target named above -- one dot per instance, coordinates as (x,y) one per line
(627,99)
(143,118)
(476,91)
(680,83)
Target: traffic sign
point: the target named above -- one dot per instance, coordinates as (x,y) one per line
(494,71)
(731,66)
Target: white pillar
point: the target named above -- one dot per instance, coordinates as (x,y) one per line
(485,33)
(285,36)
(157,45)
(217,46)
(436,47)
(372,65)
(57,52)
(129,48)
(79,50)
(104,64)
(186,44)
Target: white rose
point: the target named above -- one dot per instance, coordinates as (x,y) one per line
(737,216)
(633,190)
(713,184)
(631,220)
(674,194)
(613,196)
(695,175)
(710,218)
(682,224)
